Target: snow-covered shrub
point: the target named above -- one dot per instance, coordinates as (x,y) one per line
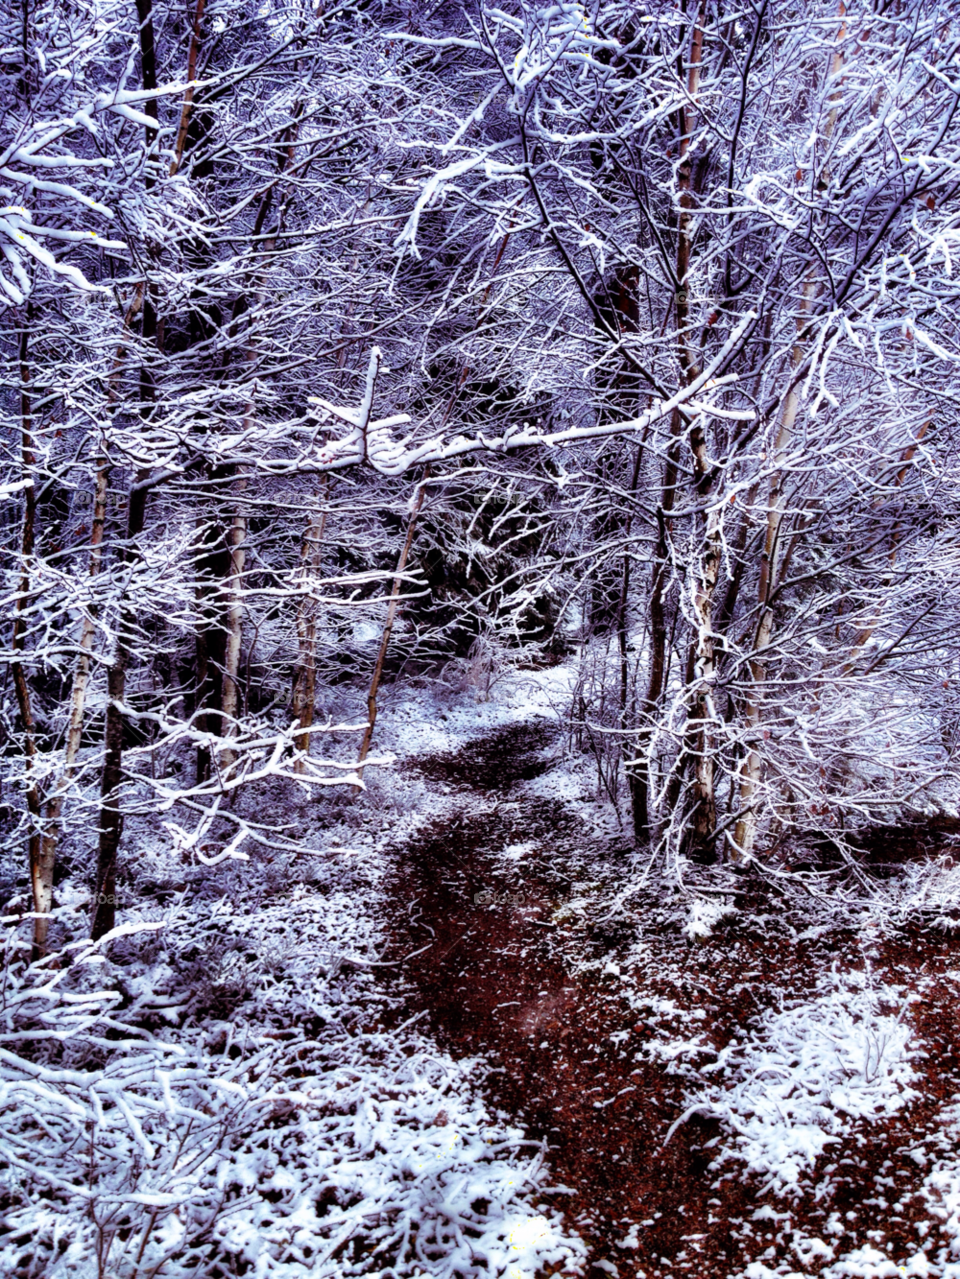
(109,1138)
(805,1076)
(483,667)
(705,913)
(285,1130)
(931,886)
(387,1164)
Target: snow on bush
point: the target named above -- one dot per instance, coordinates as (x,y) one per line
(706,913)
(283,1126)
(939,1252)
(931,886)
(805,1075)
(406,1167)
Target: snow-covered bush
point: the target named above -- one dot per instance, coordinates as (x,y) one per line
(805,1076)
(109,1138)
(706,913)
(931,886)
(280,1124)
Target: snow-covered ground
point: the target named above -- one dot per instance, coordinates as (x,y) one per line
(275,1114)
(243,1087)
(804,1076)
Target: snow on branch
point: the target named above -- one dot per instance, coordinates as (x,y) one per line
(373,441)
(28,156)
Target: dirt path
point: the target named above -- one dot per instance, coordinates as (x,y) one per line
(574,1049)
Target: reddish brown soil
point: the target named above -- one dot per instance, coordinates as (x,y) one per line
(497,981)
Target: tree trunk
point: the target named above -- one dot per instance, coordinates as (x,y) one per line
(619,390)
(148,60)
(237,535)
(746,827)
(111,818)
(212,566)
(230,698)
(699,740)
(703,814)
(415,507)
(704,804)
(187,105)
(623,626)
(111,821)
(305,683)
(640,766)
(21,687)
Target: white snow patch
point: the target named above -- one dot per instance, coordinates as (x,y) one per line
(806,1075)
(705,913)
(941,1191)
(415,722)
(868,1262)
(517,852)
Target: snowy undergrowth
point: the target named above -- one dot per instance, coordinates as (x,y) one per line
(231,1093)
(706,913)
(806,1075)
(935,1254)
(931,887)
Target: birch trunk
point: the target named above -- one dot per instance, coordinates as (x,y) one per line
(702,819)
(750,774)
(415,508)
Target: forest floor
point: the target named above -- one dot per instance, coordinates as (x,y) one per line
(462,1030)
(812,1030)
